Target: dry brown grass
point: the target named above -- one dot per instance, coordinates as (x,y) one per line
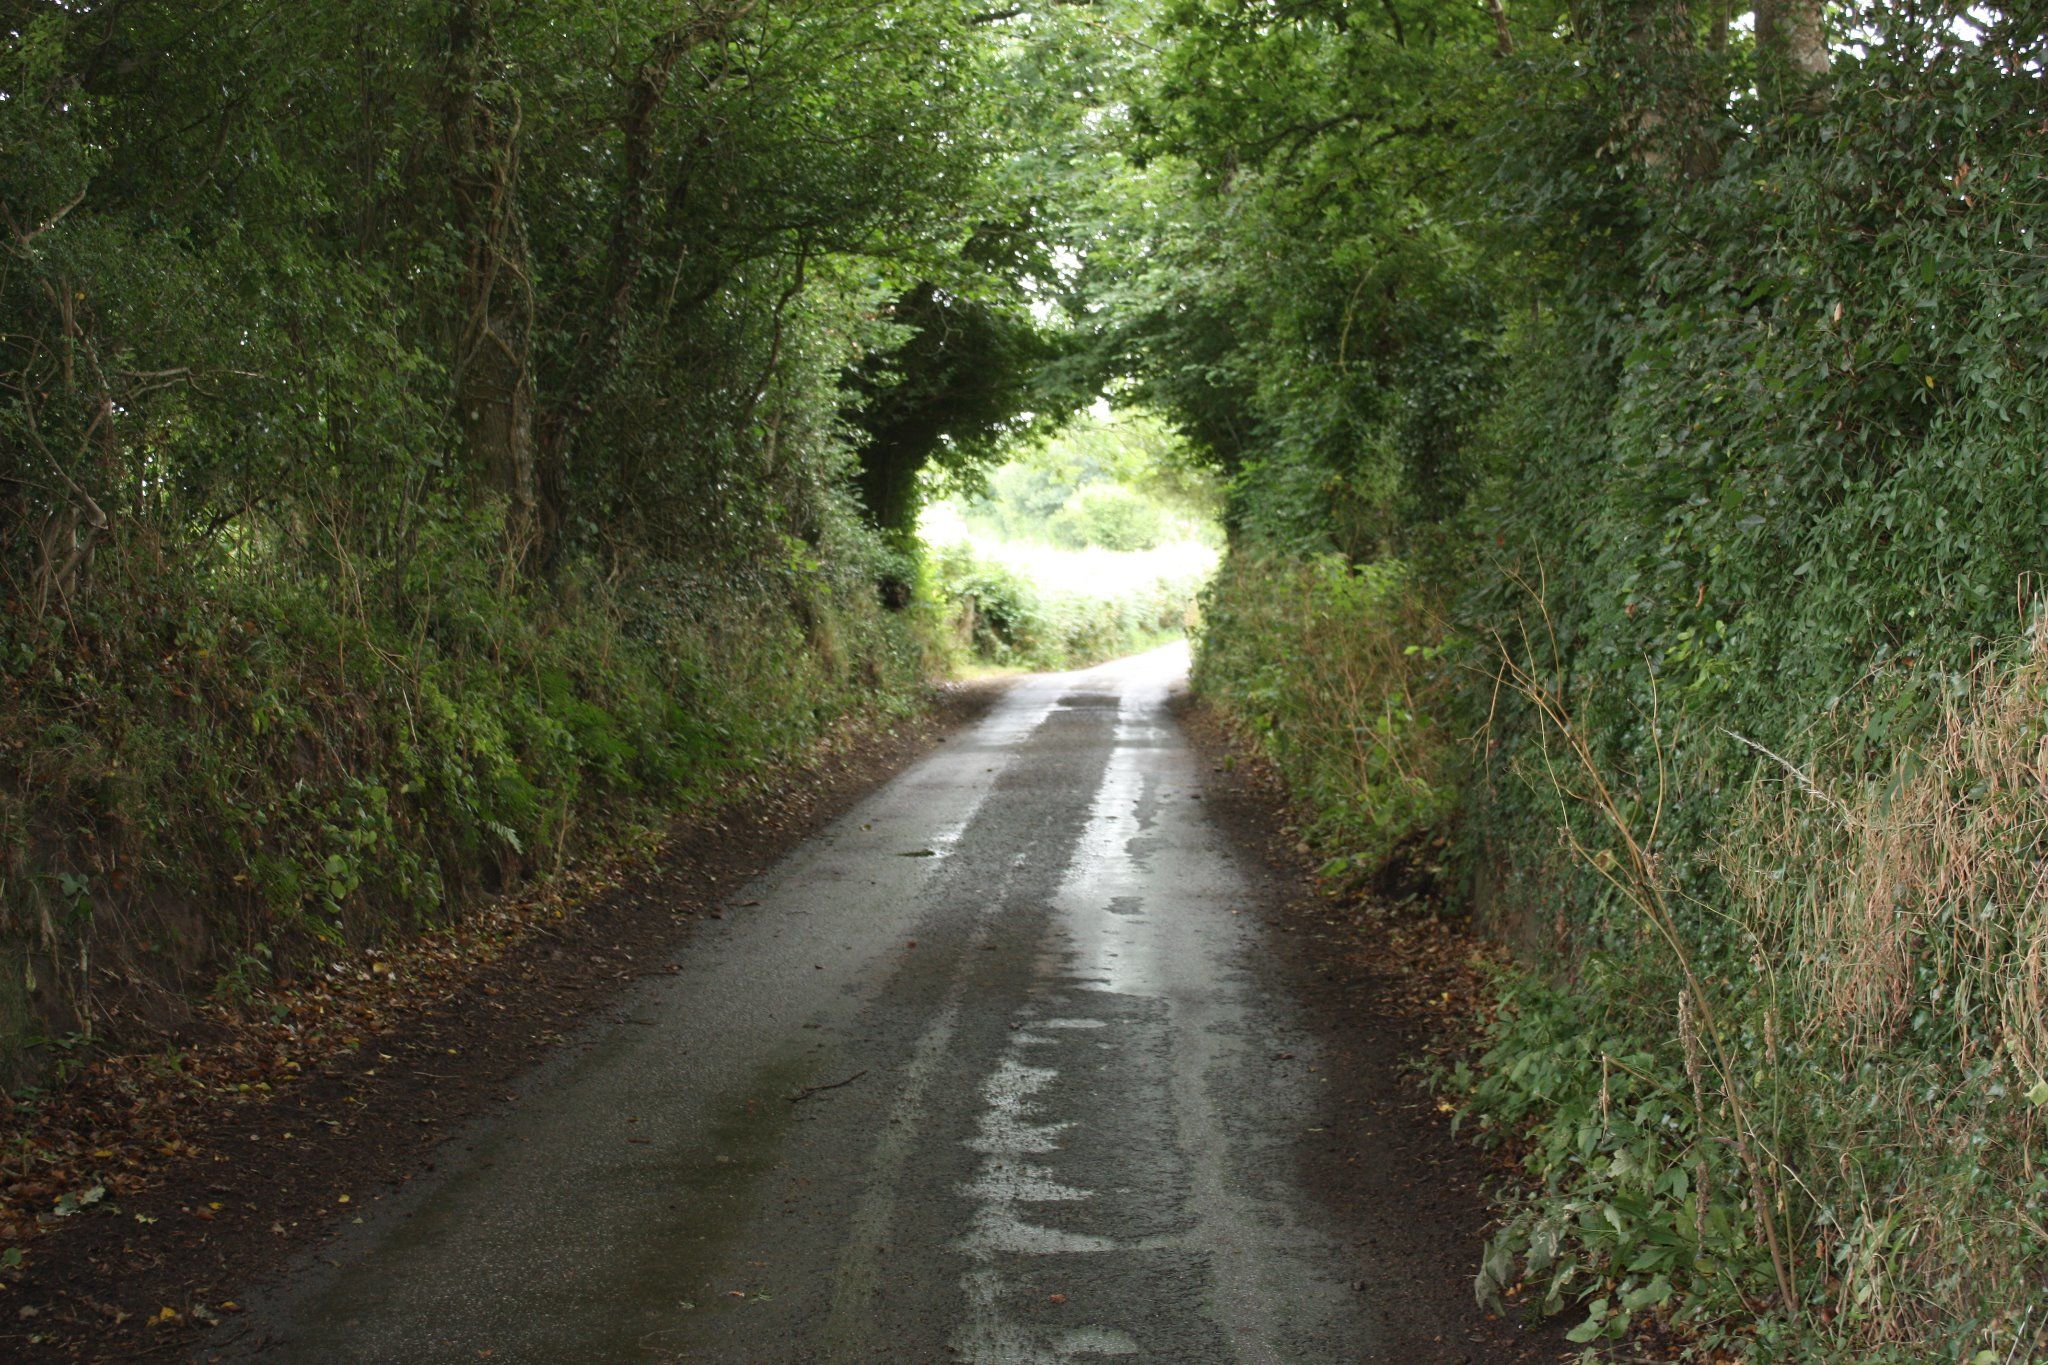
(1905,914)
(1926,882)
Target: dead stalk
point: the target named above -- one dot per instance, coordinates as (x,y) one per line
(1639,880)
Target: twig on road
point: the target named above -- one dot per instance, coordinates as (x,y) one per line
(811,1090)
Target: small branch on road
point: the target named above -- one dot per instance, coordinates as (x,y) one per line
(811,1090)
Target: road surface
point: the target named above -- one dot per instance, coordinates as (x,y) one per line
(983,1073)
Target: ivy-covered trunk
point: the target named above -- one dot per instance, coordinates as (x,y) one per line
(492,364)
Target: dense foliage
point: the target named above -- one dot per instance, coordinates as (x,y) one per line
(1091,542)
(1117,481)
(1675,386)
(433,433)
(1317,659)
(436,432)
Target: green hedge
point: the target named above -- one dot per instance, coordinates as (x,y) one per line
(216,775)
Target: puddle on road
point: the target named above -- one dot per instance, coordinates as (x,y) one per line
(1006,1134)
(1106,895)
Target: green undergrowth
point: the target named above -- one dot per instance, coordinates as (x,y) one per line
(1799,1119)
(1335,670)
(212,778)
(1037,606)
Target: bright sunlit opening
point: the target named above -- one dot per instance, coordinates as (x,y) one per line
(1092,543)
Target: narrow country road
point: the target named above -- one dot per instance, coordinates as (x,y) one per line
(982,1073)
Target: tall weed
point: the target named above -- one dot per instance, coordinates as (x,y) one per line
(1876,956)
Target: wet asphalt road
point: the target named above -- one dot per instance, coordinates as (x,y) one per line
(1053,1132)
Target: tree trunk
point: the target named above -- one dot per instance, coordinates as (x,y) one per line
(1664,103)
(493,371)
(601,346)
(1791,39)
(1503,37)
(887,484)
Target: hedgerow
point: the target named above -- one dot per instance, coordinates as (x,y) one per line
(436,436)
(221,771)
(1684,382)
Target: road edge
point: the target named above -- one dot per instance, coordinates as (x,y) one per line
(420,1043)
(1384,991)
